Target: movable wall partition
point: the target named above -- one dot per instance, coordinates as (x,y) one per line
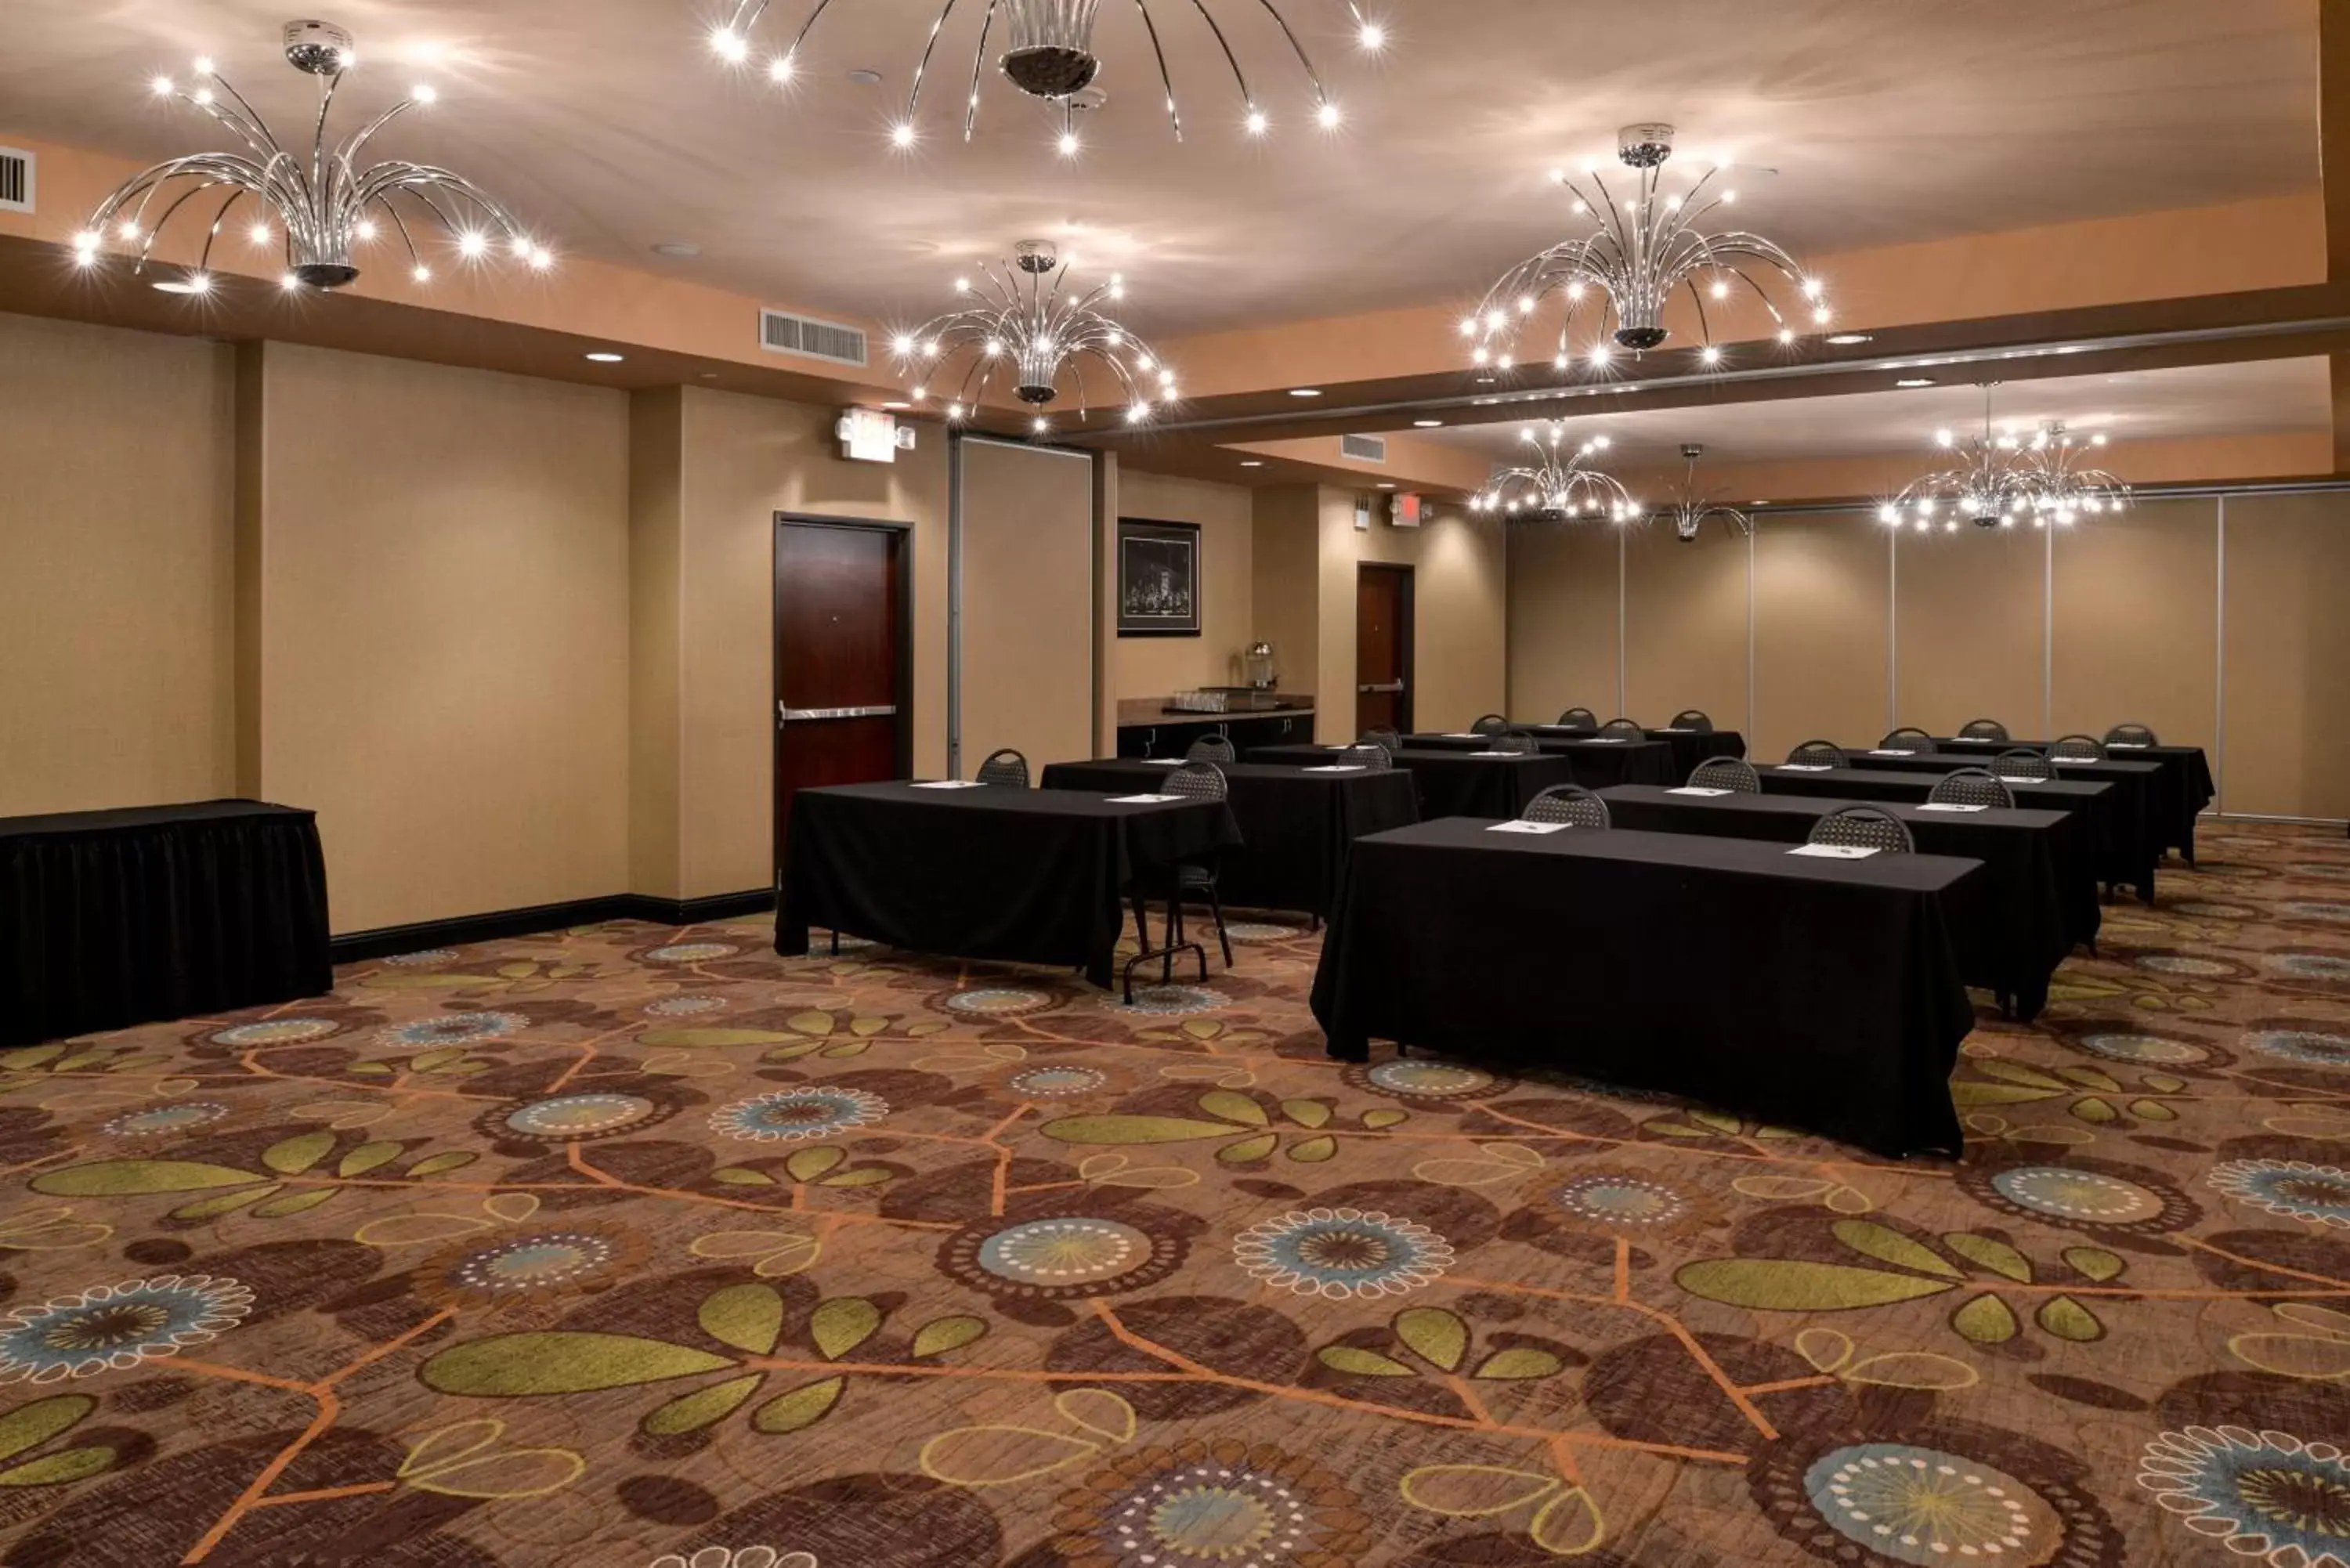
(2215,618)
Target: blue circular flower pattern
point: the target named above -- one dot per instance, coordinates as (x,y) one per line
(1343,1253)
(275,1032)
(2332,967)
(456,1028)
(1171,1002)
(1057,1082)
(692,953)
(1423,1080)
(2060,1193)
(999,1002)
(160,1121)
(574,1116)
(2149,1050)
(1613,1199)
(685,1006)
(2303,1045)
(795,1116)
(423,959)
(1924,1505)
(2311,909)
(2294,1188)
(2189,967)
(2201,910)
(1060,1252)
(2262,1495)
(117,1326)
(534,1263)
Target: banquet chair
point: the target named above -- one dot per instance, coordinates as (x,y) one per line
(1971,786)
(1817,754)
(1626,727)
(1907,737)
(2131,735)
(1193,781)
(2022,764)
(1387,740)
(1491,724)
(1377,759)
(1578,718)
(1732,773)
(1007,768)
(1570,803)
(2077,749)
(1213,749)
(1983,730)
(1863,828)
(1690,719)
(1517,743)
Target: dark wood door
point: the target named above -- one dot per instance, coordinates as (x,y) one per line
(1383,637)
(841,659)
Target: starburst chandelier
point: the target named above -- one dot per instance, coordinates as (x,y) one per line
(1647,246)
(2002,478)
(1025,327)
(1555,484)
(1049,54)
(2063,486)
(1693,508)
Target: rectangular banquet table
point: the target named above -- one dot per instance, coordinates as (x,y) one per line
(1817,994)
(1690,747)
(1296,826)
(1026,875)
(2179,795)
(1598,762)
(109,919)
(2137,819)
(1450,784)
(2037,897)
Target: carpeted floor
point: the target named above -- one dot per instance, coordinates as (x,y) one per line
(639,1247)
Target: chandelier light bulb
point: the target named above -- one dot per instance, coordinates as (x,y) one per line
(728,45)
(128,231)
(365,230)
(540,258)
(1710,355)
(1374,36)
(203,66)
(289,283)
(260,233)
(201,97)
(1138,413)
(161,86)
(780,68)
(1257,123)
(1786,336)
(955,412)
(1468,326)
(469,243)
(904,344)
(1025,324)
(425,93)
(902,134)
(422,274)
(1327,116)
(1889,513)
(1561,363)
(1041,425)
(1068,144)
(1600,353)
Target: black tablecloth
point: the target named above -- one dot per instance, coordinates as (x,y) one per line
(109,919)
(2036,891)
(1820,993)
(2139,820)
(1296,825)
(1597,763)
(1032,875)
(1452,783)
(2179,795)
(1690,747)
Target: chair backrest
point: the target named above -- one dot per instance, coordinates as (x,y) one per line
(1578,718)
(1378,758)
(1971,786)
(1983,730)
(1213,749)
(1863,828)
(1491,724)
(1726,773)
(1199,781)
(1817,754)
(1905,736)
(2131,735)
(1621,727)
(1518,743)
(1387,740)
(1570,803)
(2077,749)
(1690,719)
(2023,765)
(1006,767)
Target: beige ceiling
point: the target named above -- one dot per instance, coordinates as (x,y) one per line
(610,123)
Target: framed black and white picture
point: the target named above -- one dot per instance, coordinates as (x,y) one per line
(1158,578)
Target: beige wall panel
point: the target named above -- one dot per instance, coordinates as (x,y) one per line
(656,458)
(1685,625)
(745,458)
(1154,666)
(1820,598)
(1285,597)
(117,532)
(2288,656)
(1460,613)
(1562,621)
(1028,575)
(1970,613)
(2136,620)
(445,640)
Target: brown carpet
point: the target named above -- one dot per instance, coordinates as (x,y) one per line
(631,1246)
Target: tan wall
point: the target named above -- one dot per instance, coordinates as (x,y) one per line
(1154,666)
(1823,614)
(1563,642)
(656,642)
(444,642)
(1970,615)
(1285,592)
(2137,615)
(116,568)
(2288,656)
(1028,593)
(1460,613)
(1685,625)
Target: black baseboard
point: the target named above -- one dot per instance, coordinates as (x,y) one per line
(359,947)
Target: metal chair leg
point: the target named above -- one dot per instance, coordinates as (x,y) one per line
(1216,907)
(835,944)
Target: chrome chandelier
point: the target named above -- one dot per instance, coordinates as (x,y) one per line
(1648,247)
(2002,478)
(1049,54)
(1693,508)
(1557,485)
(1025,328)
(2064,488)
(325,201)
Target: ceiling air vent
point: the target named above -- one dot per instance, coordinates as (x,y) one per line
(1363,448)
(16,181)
(780,333)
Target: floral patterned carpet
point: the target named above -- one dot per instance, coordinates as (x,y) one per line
(645,1248)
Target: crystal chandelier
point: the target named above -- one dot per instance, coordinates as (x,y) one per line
(2000,478)
(1693,508)
(1648,247)
(326,202)
(1025,327)
(2061,486)
(1556,485)
(1049,54)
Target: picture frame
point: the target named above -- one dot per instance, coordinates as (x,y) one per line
(1158,578)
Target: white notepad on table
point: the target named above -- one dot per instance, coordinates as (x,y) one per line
(1677,730)
(1807,767)
(953,784)
(2125,745)
(1890,752)
(1339,768)
(1144,799)
(1506,757)
(1162,762)
(1834,851)
(1697,790)
(1950,805)
(1462,735)
(1529,828)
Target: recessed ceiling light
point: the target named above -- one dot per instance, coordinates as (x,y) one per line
(1251,463)
(1427,424)
(1305,392)
(681,249)
(1845,339)
(606,357)
(1387,484)
(1915,381)
(865,75)
(710,375)
(895,408)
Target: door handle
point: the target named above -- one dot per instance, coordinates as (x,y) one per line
(1394,686)
(820,715)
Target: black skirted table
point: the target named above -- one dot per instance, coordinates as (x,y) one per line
(1450,784)
(109,919)
(982,871)
(1598,762)
(2037,898)
(1297,823)
(1822,994)
(1690,747)
(2137,818)
(2180,795)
